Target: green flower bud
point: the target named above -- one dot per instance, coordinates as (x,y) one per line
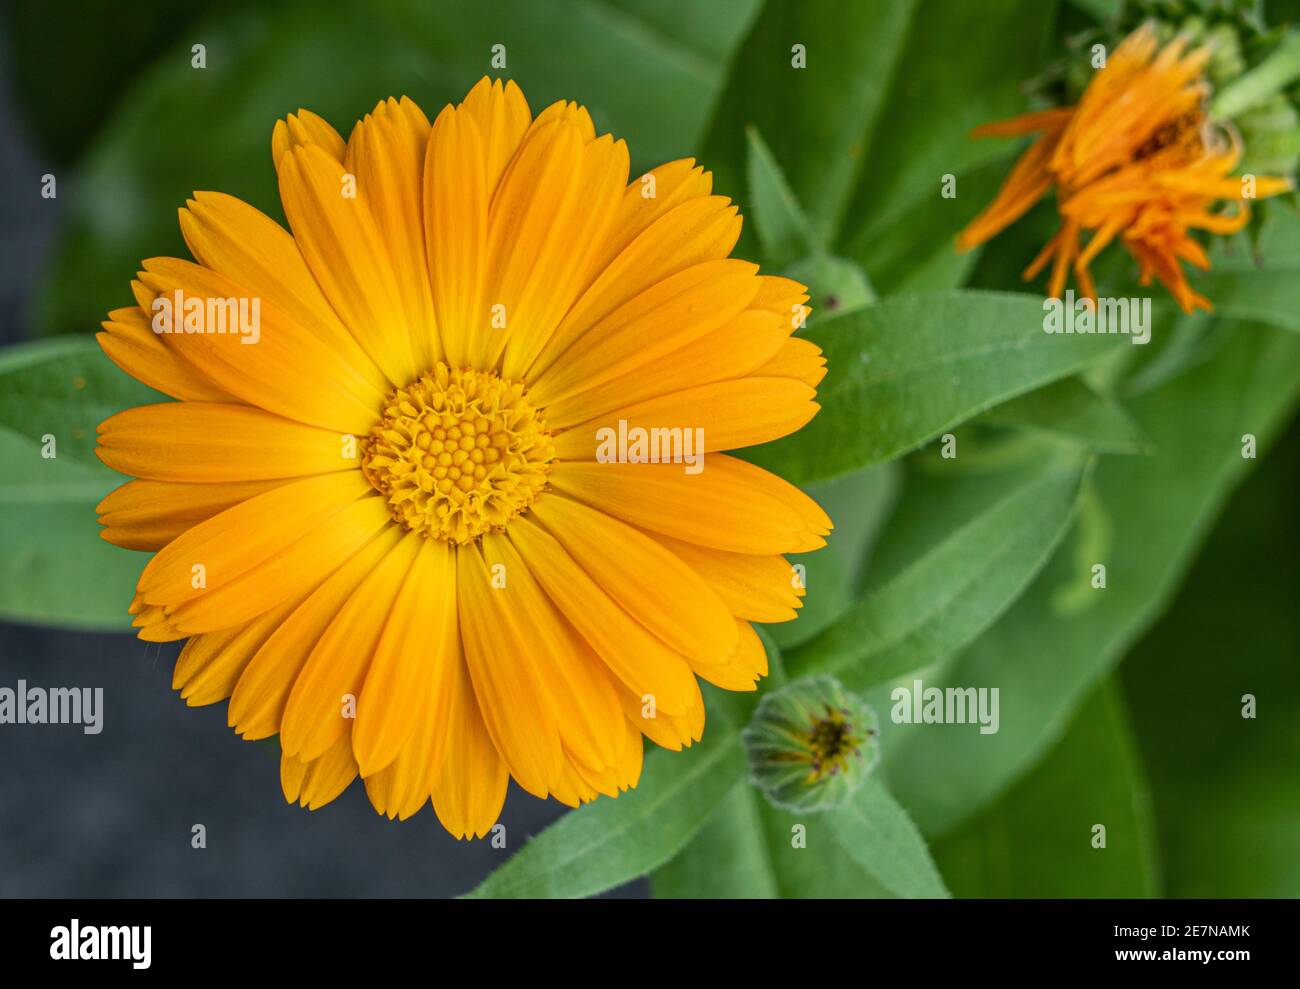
(811,744)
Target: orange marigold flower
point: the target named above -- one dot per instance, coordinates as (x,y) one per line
(1138,158)
(389,531)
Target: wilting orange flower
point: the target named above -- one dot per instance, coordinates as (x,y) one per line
(380,517)
(1137,159)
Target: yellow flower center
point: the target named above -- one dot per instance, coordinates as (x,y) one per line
(458,454)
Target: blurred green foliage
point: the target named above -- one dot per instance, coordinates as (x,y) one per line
(1041,839)
(1223,786)
(66,78)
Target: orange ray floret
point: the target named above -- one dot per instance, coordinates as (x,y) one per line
(1136,159)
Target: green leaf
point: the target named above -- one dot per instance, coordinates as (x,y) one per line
(1276,247)
(611,842)
(728,859)
(1266,296)
(808,859)
(1073,411)
(54,568)
(782,227)
(990,548)
(1044,657)
(750,849)
(1189,340)
(1267,79)
(1037,840)
(647,71)
(65,389)
(880,837)
(1256,278)
(903,371)
(774,853)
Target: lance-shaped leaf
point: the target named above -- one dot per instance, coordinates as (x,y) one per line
(904,371)
(986,552)
(613,841)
